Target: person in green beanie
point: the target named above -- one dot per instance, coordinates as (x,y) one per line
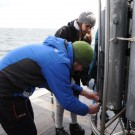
(78,29)
(47,65)
(83,50)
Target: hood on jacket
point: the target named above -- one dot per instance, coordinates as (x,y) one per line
(74,25)
(71,24)
(59,43)
(55,42)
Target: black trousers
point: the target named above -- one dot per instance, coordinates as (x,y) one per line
(16,116)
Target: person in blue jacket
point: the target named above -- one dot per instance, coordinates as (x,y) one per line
(47,65)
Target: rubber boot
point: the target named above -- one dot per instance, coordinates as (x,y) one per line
(75,129)
(61,131)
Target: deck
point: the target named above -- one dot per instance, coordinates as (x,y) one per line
(44,115)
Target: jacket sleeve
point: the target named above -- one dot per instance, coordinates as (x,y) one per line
(77,88)
(62,32)
(58,78)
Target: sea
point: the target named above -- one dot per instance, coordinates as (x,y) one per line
(11,38)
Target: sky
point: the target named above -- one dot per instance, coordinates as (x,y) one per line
(43,13)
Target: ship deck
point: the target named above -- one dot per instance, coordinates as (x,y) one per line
(44,115)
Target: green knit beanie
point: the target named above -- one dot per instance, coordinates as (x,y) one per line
(83,53)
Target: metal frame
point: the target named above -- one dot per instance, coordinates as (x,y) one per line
(105,89)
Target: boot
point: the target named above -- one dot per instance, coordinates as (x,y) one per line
(61,131)
(75,129)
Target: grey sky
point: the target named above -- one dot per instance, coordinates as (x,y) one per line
(43,13)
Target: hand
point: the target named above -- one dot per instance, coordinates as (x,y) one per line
(94,108)
(88,37)
(93,96)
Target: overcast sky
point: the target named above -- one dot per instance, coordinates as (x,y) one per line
(43,13)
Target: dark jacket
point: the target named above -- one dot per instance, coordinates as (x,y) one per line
(70,33)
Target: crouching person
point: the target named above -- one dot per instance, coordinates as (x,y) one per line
(41,65)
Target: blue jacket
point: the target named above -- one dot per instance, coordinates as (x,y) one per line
(41,65)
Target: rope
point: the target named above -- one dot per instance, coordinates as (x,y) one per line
(125,39)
